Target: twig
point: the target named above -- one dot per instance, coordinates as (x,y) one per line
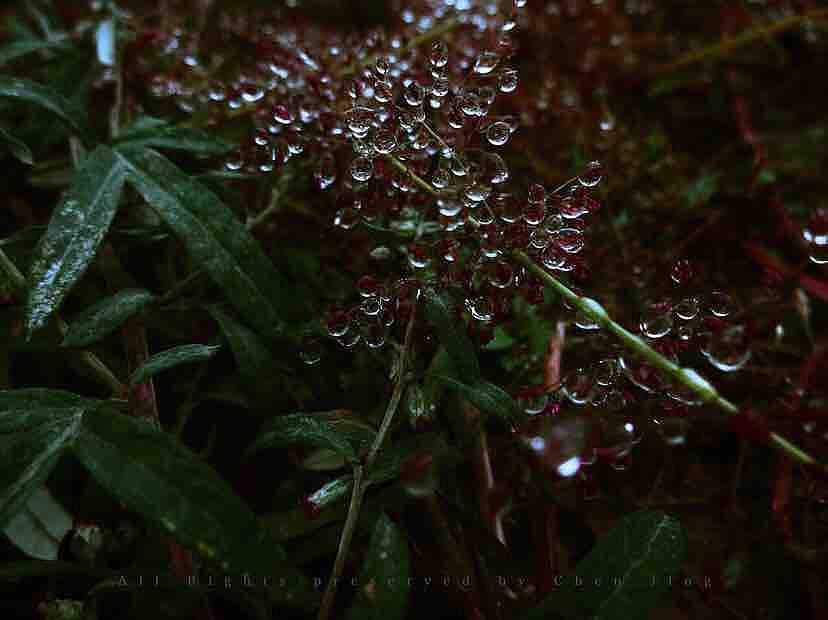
(362,476)
(685,376)
(729,45)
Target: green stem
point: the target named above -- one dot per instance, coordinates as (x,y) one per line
(417,179)
(362,476)
(685,376)
(730,44)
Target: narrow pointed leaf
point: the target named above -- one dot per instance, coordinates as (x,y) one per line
(185,354)
(77,228)
(32,438)
(339,435)
(17,148)
(45,97)
(101,319)
(164,136)
(252,356)
(383,583)
(487,397)
(215,238)
(39,528)
(154,475)
(18,49)
(643,552)
(451,332)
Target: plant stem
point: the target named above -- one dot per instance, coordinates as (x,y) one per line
(362,476)
(417,179)
(686,376)
(730,44)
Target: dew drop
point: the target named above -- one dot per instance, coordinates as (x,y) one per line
(591,175)
(481,309)
(486,63)
(439,54)
(498,133)
(578,386)
(656,322)
(728,350)
(687,309)
(311,351)
(721,304)
(362,169)
(507,81)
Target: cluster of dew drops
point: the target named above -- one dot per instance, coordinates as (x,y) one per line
(684,327)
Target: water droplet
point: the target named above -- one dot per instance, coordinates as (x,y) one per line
(385,141)
(439,54)
(507,81)
(578,386)
(501,274)
(656,321)
(346,218)
(606,371)
(672,429)
(486,63)
(413,94)
(325,173)
(381,66)
(533,403)
(592,174)
(641,374)
(721,304)
(311,351)
(362,169)
(687,309)
(682,272)
(282,115)
(570,240)
(498,133)
(554,258)
(585,322)
(481,309)
(534,213)
(728,350)
(374,334)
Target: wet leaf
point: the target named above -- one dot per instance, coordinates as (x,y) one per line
(252,356)
(383,583)
(18,49)
(642,552)
(101,319)
(452,334)
(76,229)
(215,238)
(154,475)
(487,397)
(342,436)
(184,354)
(158,134)
(17,148)
(45,97)
(36,428)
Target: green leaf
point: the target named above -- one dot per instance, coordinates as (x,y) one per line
(252,357)
(18,49)
(487,397)
(451,332)
(383,584)
(154,475)
(633,563)
(313,430)
(45,97)
(215,238)
(160,135)
(101,319)
(34,433)
(184,354)
(39,529)
(17,148)
(76,229)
